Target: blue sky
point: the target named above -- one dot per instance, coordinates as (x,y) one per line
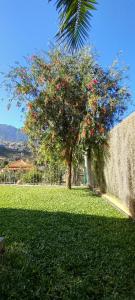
(28,26)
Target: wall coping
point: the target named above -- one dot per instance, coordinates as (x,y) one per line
(132,115)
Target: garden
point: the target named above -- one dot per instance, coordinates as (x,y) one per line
(70,104)
(64,244)
(62,239)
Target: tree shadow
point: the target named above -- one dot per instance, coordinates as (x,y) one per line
(56,255)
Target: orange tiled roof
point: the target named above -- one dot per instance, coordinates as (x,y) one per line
(20,165)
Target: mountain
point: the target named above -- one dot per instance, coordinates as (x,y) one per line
(14,151)
(13,143)
(11,134)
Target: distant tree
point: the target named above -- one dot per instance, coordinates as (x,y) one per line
(3,163)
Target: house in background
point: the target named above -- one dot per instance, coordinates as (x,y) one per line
(20,165)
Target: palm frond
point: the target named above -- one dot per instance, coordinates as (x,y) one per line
(74,18)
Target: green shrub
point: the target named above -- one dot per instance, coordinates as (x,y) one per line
(2,178)
(53,175)
(9,177)
(32,177)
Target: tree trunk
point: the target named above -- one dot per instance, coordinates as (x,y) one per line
(88,167)
(69,172)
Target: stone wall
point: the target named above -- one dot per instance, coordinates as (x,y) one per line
(120,166)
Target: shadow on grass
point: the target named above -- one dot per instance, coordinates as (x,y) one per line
(66,256)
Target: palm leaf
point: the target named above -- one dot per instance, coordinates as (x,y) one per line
(74,19)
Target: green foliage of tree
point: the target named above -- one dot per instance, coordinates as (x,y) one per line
(57,113)
(54,173)
(32,177)
(3,163)
(71,101)
(9,177)
(74,21)
(108,99)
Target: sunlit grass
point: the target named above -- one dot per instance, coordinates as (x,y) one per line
(64,245)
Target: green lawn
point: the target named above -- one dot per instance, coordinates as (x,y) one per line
(64,245)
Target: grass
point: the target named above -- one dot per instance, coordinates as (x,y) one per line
(64,245)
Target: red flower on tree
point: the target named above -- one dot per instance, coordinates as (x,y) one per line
(58,87)
(34,116)
(101,130)
(104,110)
(30,106)
(95,81)
(91,84)
(62,84)
(92,132)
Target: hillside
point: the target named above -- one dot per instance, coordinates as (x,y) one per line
(14,151)
(13,143)
(11,134)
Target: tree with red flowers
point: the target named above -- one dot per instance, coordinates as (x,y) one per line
(70,100)
(54,91)
(108,100)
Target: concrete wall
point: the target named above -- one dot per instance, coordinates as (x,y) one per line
(120,166)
